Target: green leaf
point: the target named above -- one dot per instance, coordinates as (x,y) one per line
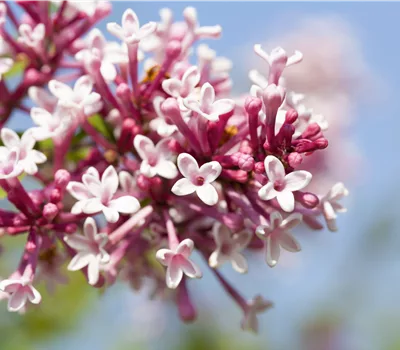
(98,122)
(77,155)
(18,67)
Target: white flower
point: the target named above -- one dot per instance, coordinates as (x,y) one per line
(9,163)
(281,185)
(276,235)
(42,98)
(160,123)
(155,159)
(20,290)
(102,195)
(178,263)
(190,15)
(90,250)
(5,65)
(32,37)
(330,206)
(130,31)
(197,179)
(81,97)
(254,307)
(229,247)
(28,157)
(207,107)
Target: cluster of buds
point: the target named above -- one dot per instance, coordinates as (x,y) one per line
(141,170)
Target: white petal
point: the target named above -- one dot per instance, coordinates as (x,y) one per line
(172,87)
(190,269)
(267,192)
(291,221)
(77,242)
(144,147)
(288,242)
(10,138)
(223,106)
(273,252)
(34,296)
(92,206)
(183,187)
(79,261)
(40,116)
(185,247)
(125,205)
(110,214)
(174,275)
(187,165)
(108,71)
(210,171)
(116,30)
(90,229)
(274,168)
(17,300)
(297,180)
(78,190)
(208,194)
(93,272)
(60,90)
(286,200)
(167,169)
(109,182)
(239,263)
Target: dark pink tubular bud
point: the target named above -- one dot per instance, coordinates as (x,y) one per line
(321,143)
(33,77)
(294,159)
(50,211)
(305,145)
(187,311)
(32,241)
(173,49)
(143,182)
(253,106)
(55,195)
(312,130)
(36,196)
(307,199)
(291,116)
(285,135)
(123,91)
(312,222)
(125,140)
(259,168)
(61,179)
(240,176)
(71,228)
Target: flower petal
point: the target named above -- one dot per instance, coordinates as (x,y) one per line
(109,183)
(267,192)
(274,168)
(60,90)
(167,169)
(291,221)
(10,138)
(164,256)
(210,171)
(110,214)
(125,205)
(130,22)
(172,87)
(34,296)
(183,187)
(275,220)
(223,106)
(185,247)
(40,116)
(286,200)
(90,229)
(83,86)
(77,242)
(239,263)
(190,79)
(17,300)
(207,96)
(190,269)
(79,261)
(146,30)
(297,180)
(174,275)
(93,272)
(144,147)
(288,242)
(78,190)
(92,206)
(208,194)
(92,184)
(272,252)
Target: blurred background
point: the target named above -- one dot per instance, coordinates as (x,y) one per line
(341,292)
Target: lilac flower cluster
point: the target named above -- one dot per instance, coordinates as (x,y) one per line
(142,169)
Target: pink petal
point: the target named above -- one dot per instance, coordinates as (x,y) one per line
(207,97)
(183,187)
(267,192)
(187,165)
(190,79)
(297,180)
(174,275)
(162,148)
(288,242)
(147,170)
(262,231)
(146,30)
(60,90)
(144,147)
(77,242)
(190,269)
(10,138)
(239,263)
(10,285)
(172,87)
(125,205)
(110,214)
(92,184)
(40,116)
(79,261)
(78,190)
(92,206)
(90,229)
(97,40)
(17,300)
(274,168)
(242,239)
(83,86)
(223,106)
(164,256)
(126,181)
(208,194)
(130,22)
(275,220)
(221,234)
(185,247)
(286,201)
(291,221)
(116,30)
(272,252)
(210,171)
(109,183)
(33,295)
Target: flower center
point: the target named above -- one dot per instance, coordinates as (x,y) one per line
(279,185)
(199,181)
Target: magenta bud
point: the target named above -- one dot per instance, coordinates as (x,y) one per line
(312,130)
(173,49)
(36,196)
(71,228)
(252,105)
(321,143)
(33,77)
(61,178)
(123,91)
(233,221)
(259,168)
(143,182)
(245,147)
(50,211)
(291,116)
(187,311)
(307,199)
(55,195)
(245,162)
(31,243)
(294,159)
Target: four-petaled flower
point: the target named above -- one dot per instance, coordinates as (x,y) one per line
(28,157)
(130,31)
(330,206)
(90,250)
(20,290)
(81,97)
(207,107)
(102,192)
(229,245)
(197,179)
(281,185)
(178,263)
(254,307)
(155,159)
(32,37)
(276,234)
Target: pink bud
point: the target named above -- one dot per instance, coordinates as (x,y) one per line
(173,49)
(245,147)
(61,178)
(123,91)
(143,182)
(245,162)
(307,199)
(291,116)
(36,196)
(50,211)
(55,196)
(170,108)
(273,96)
(294,159)
(187,311)
(253,105)
(33,77)
(321,143)
(259,168)
(71,228)
(312,130)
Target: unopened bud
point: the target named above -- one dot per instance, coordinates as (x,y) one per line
(50,211)
(61,178)
(259,168)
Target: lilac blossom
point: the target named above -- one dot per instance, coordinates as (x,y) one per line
(330,206)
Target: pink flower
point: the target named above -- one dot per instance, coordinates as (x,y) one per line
(131,32)
(155,159)
(81,97)
(9,163)
(20,290)
(42,98)
(229,247)
(181,88)
(281,185)
(103,195)
(109,53)
(28,157)
(255,306)
(190,15)
(5,65)
(90,250)
(276,234)
(32,37)
(207,107)
(178,263)
(197,179)
(160,123)
(330,206)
